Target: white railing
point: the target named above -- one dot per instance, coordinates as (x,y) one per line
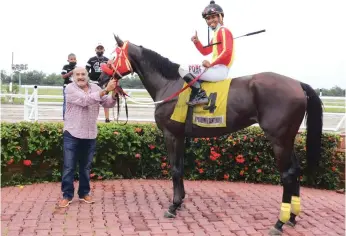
(32,104)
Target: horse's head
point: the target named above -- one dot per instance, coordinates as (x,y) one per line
(154,70)
(119,66)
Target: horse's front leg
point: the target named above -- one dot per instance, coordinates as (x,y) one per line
(175,150)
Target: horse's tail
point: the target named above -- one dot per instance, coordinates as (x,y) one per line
(314,123)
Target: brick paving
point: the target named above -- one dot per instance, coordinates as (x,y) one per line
(136,207)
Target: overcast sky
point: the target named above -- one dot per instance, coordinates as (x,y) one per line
(302,39)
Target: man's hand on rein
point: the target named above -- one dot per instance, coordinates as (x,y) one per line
(111,85)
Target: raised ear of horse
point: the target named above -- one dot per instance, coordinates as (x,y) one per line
(118,40)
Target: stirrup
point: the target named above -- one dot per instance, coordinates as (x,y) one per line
(203,100)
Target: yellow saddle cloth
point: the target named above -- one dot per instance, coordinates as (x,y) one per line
(201,117)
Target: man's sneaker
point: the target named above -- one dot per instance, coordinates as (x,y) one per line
(87,199)
(64,203)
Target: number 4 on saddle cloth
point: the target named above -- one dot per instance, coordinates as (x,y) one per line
(211,115)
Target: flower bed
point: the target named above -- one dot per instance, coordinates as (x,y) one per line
(32,152)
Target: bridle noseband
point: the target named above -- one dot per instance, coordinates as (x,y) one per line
(119,65)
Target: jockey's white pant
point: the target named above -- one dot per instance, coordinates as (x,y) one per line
(215,73)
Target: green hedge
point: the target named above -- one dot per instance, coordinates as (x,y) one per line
(32,152)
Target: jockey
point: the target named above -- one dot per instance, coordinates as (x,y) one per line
(218,69)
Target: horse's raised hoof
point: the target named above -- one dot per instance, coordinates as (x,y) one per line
(168,214)
(290,223)
(274,231)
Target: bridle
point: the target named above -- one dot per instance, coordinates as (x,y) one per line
(117,68)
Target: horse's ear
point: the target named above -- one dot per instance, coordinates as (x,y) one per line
(118,40)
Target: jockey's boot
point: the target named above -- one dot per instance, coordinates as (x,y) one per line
(199,96)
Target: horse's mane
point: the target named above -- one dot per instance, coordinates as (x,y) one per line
(161,64)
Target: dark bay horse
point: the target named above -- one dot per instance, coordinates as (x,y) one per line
(277,103)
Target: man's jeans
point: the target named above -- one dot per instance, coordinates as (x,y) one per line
(77,149)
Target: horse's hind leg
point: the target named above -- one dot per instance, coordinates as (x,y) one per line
(290,206)
(282,140)
(175,150)
(295,199)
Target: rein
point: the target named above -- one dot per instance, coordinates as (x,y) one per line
(114,70)
(117,92)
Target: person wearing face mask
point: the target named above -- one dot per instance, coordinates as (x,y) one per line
(66,74)
(221,46)
(93,67)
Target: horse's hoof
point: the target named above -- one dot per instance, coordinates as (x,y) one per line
(168,214)
(290,223)
(274,231)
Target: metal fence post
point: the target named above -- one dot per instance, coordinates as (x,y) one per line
(36,102)
(26,99)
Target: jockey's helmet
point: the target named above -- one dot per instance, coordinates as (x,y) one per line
(212,9)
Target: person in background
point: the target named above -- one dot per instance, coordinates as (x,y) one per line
(93,67)
(83,100)
(66,74)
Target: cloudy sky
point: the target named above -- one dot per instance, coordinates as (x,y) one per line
(303,38)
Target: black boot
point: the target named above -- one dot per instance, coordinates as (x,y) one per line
(199,96)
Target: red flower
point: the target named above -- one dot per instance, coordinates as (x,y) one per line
(138,130)
(245,168)
(10,161)
(240,159)
(163,165)
(201,171)
(100,177)
(92,175)
(138,156)
(151,146)
(39,152)
(226,176)
(259,171)
(115,132)
(333,168)
(27,162)
(214,156)
(165,172)
(245,137)
(196,140)
(241,172)
(251,140)
(256,159)
(164,158)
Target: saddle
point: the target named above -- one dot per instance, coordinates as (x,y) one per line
(209,116)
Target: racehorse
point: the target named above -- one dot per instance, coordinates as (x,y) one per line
(276,102)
